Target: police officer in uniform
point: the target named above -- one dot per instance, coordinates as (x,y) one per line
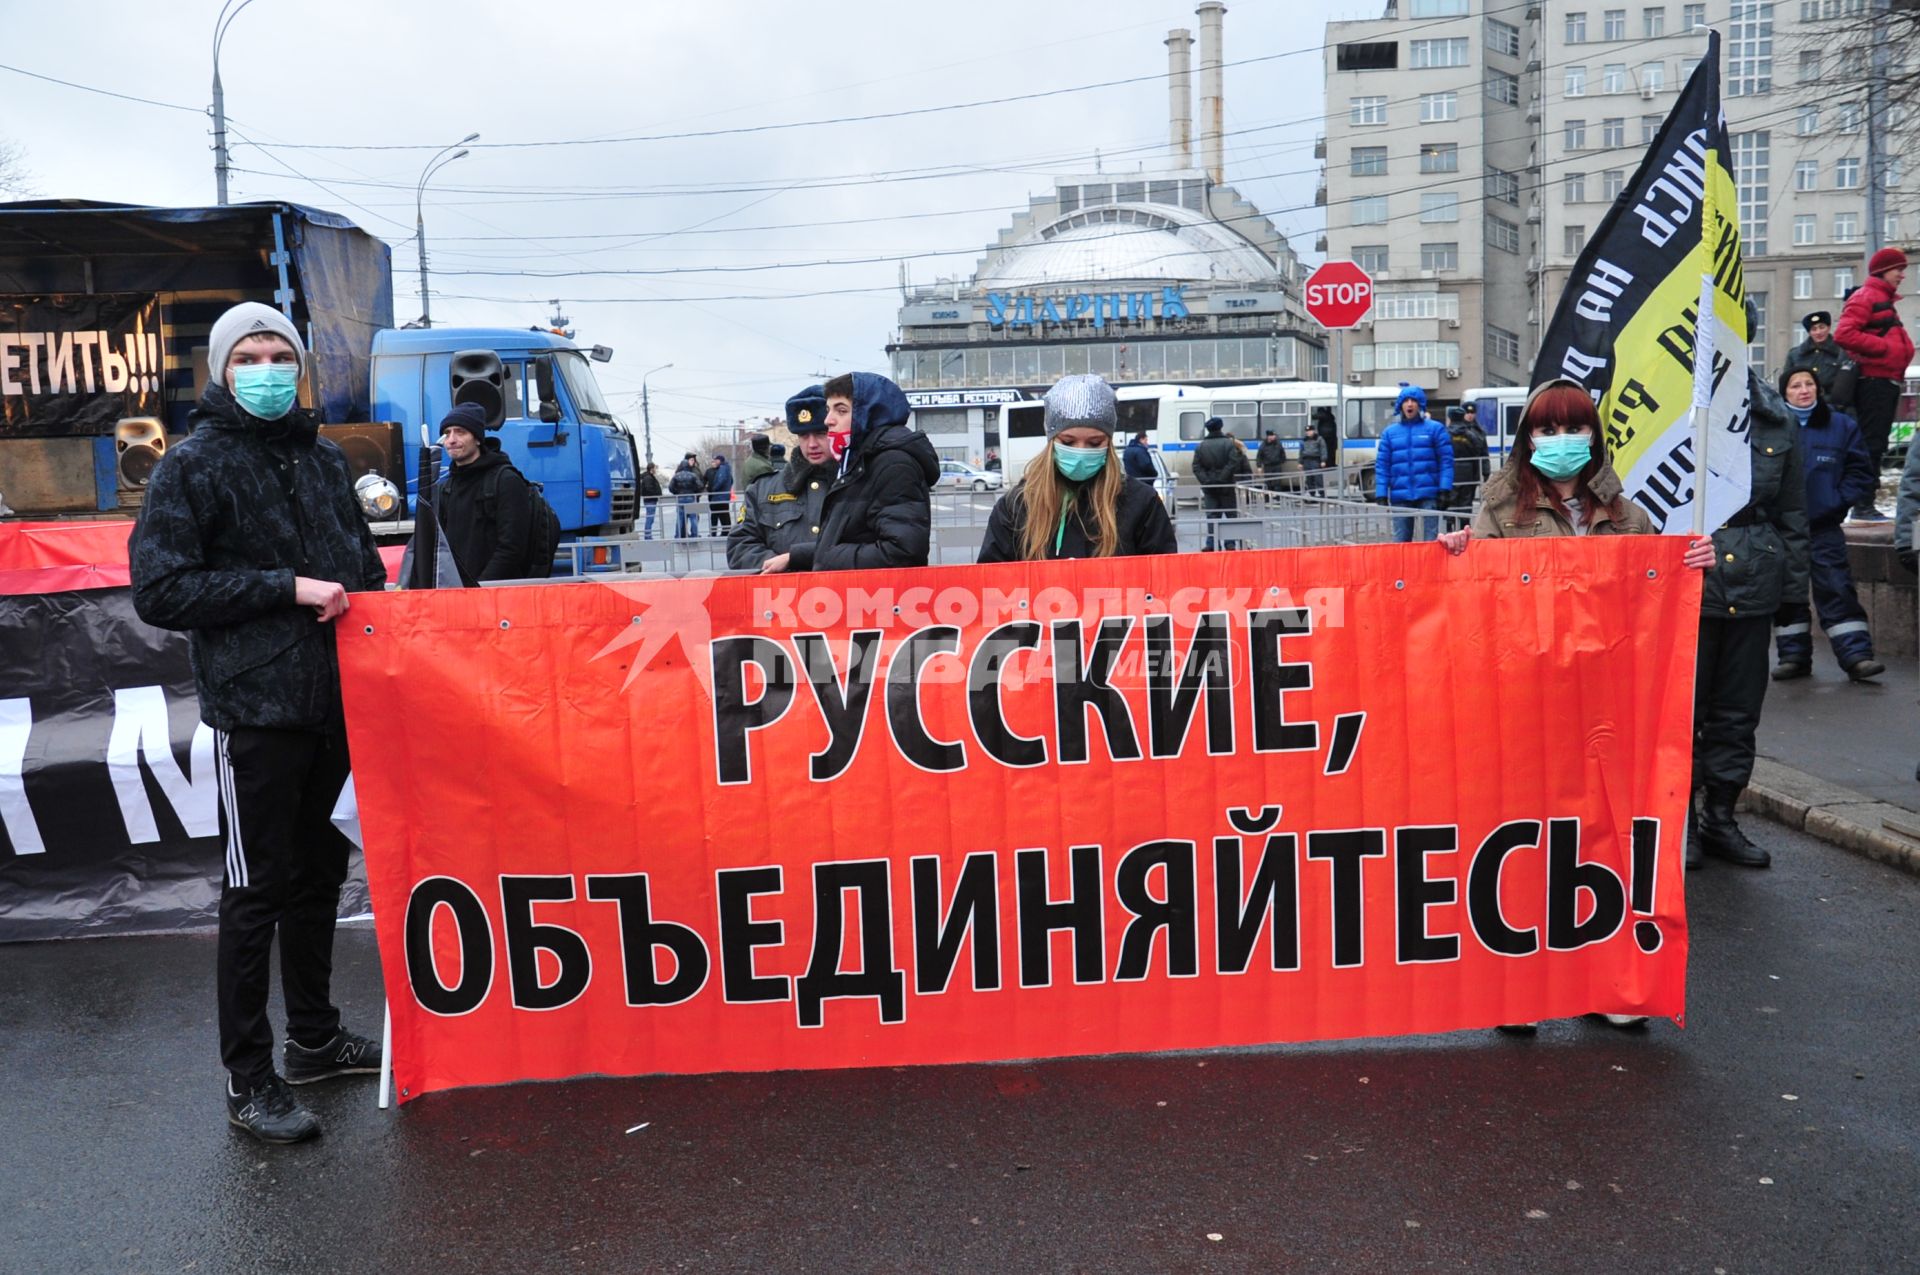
(783,509)
(1760,559)
(1822,355)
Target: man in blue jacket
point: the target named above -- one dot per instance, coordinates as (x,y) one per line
(1413,467)
(1839,474)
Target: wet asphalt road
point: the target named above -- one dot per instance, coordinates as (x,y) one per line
(1582,1149)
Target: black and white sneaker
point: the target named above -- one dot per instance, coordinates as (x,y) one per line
(269,1111)
(345,1055)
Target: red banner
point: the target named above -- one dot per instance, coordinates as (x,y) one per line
(977,813)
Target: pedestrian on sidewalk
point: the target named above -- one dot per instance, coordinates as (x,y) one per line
(1413,464)
(686,486)
(1219,463)
(719,496)
(1871,333)
(1821,354)
(1138,459)
(251,541)
(1075,499)
(759,462)
(1272,460)
(649,490)
(1838,474)
(1469,443)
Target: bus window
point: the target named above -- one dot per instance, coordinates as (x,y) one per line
(1027,422)
(1137,414)
(1242,419)
(1285,417)
(1193,425)
(1366,417)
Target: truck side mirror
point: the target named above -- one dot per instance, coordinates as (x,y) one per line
(543,383)
(601,354)
(549,412)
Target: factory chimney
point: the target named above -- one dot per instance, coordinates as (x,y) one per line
(1180,96)
(1212,110)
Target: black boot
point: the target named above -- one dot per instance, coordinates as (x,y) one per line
(1720,836)
(1693,830)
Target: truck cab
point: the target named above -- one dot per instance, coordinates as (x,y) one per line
(558,431)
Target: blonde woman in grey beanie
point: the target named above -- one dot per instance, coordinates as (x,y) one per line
(250,540)
(1075,500)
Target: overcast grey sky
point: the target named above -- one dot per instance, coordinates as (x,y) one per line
(935,186)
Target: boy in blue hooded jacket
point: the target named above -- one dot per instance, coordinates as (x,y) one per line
(1414,464)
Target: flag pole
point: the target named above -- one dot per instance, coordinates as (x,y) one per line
(1706,332)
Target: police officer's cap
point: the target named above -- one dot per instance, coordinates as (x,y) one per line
(807,411)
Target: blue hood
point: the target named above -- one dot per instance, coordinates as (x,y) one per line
(1413,392)
(877,403)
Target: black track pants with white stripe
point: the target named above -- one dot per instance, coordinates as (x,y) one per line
(285,863)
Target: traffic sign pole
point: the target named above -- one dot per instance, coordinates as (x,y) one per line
(1340,407)
(1337,295)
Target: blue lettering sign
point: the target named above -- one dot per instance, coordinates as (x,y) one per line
(1173,302)
(1007,310)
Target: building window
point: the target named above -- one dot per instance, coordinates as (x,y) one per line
(1649,128)
(1806,175)
(1428,304)
(1853,64)
(1503,234)
(1612,182)
(1653,76)
(1437,107)
(1849,118)
(1613,78)
(1440,207)
(1751,159)
(1653,23)
(1439,256)
(1809,66)
(1370,210)
(1750,49)
(1846,227)
(1404,356)
(1503,186)
(1503,38)
(1439,8)
(1890,176)
(1576,188)
(1431,53)
(1805,230)
(1367,110)
(1693,17)
(1576,81)
(1502,344)
(1757,350)
(1842,281)
(1502,87)
(1890,227)
(1371,257)
(1439,157)
(1802,285)
(1846,173)
(1613,132)
(1369,161)
(1613,24)
(1576,28)
(1809,120)
(1573,239)
(1374,55)
(1576,135)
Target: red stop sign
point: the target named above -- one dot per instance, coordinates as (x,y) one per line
(1339,294)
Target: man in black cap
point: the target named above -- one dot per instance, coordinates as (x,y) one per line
(759,462)
(1822,355)
(1272,459)
(1469,453)
(783,509)
(1218,463)
(484,503)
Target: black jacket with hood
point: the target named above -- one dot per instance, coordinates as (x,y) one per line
(486,519)
(878,513)
(232,515)
(1143,524)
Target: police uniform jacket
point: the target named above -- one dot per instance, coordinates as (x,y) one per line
(1760,556)
(783,512)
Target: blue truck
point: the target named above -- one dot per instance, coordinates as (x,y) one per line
(104,315)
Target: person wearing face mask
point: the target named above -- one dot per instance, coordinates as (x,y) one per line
(251,541)
(1075,499)
(1839,474)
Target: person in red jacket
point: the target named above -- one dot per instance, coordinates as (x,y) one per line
(1871,333)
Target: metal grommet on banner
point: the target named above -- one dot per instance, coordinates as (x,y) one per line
(766,614)
(1399,584)
(1023,602)
(636,619)
(506,624)
(1149,598)
(1525,578)
(1273,590)
(368,630)
(1652,574)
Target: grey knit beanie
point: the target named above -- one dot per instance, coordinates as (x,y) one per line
(1081,401)
(244,320)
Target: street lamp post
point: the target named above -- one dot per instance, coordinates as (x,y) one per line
(434,165)
(221,160)
(646,415)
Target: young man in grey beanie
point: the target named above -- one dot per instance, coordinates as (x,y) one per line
(250,540)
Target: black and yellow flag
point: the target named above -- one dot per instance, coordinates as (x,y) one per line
(1627,326)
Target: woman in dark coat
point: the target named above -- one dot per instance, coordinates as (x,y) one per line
(1075,500)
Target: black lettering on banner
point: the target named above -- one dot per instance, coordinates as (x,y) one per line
(843,701)
(1483,890)
(1080,684)
(877,977)
(983,696)
(1272,679)
(475,933)
(1646,865)
(1345,851)
(735,717)
(1208,664)
(973,915)
(740,934)
(641,937)
(526,939)
(903,699)
(1567,876)
(1177,913)
(1273,897)
(1082,913)
(1414,892)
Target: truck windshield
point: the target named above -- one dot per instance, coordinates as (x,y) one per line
(581,387)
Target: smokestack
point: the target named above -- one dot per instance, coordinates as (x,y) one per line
(1180,96)
(1212,110)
